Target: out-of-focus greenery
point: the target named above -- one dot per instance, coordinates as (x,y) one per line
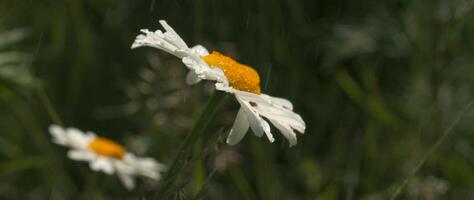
(377,83)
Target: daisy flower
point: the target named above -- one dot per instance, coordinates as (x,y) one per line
(105,155)
(230,76)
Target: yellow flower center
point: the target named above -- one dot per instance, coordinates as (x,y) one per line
(106,147)
(241,77)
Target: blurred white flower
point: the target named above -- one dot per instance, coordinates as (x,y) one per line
(106,155)
(230,76)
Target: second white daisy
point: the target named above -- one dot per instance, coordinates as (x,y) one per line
(105,155)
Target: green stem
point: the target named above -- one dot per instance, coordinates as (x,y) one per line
(185,153)
(199,167)
(32,126)
(243,185)
(49,106)
(199,176)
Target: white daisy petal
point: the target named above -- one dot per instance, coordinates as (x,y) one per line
(282,115)
(127,180)
(81,155)
(253,119)
(239,129)
(224,87)
(168,41)
(102,164)
(77,139)
(147,167)
(195,65)
(172,36)
(59,135)
(270,110)
(122,166)
(203,71)
(258,124)
(192,78)
(200,50)
(286,131)
(215,74)
(278,101)
(276,110)
(159,40)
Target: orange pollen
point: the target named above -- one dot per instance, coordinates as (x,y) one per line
(240,76)
(106,147)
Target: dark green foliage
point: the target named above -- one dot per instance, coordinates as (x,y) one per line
(377,83)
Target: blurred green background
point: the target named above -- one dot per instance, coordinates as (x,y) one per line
(377,82)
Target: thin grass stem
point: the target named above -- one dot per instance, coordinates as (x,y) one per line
(185,150)
(435,146)
(49,106)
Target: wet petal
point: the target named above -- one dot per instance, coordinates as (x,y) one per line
(239,129)
(172,36)
(282,115)
(285,131)
(193,64)
(203,71)
(168,41)
(192,78)
(200,50)
(278,101)
(258,124)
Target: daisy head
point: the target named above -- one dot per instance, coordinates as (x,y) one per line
(105,155)
(257,109)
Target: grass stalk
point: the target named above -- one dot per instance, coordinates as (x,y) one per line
(185,150)
(435,146)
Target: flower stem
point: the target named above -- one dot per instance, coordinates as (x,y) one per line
(185,150)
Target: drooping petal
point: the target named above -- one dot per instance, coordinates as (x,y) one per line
(127,180)
(192,78)
(285,131)
(276,110)
(282,115)
(266,107)
(257,124)
(239,129)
